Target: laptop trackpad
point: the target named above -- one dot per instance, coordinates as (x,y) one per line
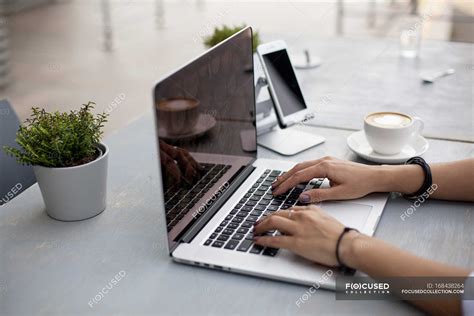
(348,213)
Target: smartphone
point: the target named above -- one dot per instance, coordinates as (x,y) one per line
(283,85)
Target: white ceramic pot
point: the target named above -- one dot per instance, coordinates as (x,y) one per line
(75,193)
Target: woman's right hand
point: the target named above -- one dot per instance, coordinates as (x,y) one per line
(348,180)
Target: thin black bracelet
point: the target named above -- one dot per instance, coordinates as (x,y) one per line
(342,266)
(427,182)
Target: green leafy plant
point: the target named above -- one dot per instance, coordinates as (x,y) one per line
(225,31)
(59,139)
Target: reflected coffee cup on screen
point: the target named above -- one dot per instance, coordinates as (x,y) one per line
(388,132)
(178,116)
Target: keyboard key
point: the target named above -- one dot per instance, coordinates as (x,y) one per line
(242,230)
(272,208)
(223,237)
(252,219)
(208,242)
(228,231)
(218,229)
(228,217)
(218,244)
(224,223)
(242,214)
(213,235)
(256,213)
(270,252)
(238,220)
(245,245)
(256,249)
(251,203)
(238,236)
(234,211)
(233,225)
(232,244)
(260,208)
(247,224)
(247,208)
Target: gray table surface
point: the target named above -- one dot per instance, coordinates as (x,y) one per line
(359,76)
(49,267)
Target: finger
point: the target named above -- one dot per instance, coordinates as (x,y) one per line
(292,171)
(190,171)
(298,167)
(171,172)
(301,208)
(285,242)
(317,195)
(272,222)
(192,162)
(303,175)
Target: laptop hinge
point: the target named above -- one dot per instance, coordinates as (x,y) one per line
(207,216)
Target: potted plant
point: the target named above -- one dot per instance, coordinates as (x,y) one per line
(224,32)
(69,160)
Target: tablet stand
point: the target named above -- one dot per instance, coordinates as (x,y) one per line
(287,141)
(305,60)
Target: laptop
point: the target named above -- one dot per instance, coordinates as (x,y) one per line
(15,178)
(213,185)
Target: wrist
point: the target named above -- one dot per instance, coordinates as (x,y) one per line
(346,248)
(382,178)
(404,179)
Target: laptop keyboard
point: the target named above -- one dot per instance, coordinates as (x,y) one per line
(236,231)
(179,202)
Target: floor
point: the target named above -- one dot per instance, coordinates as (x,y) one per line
(112,51)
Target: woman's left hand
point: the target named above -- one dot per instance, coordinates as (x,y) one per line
(308,232)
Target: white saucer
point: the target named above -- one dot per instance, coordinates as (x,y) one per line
(205,123)
(359,144)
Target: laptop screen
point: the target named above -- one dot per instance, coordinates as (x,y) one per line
(205,119)
(14,178)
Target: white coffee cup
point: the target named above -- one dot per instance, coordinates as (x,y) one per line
(388,132)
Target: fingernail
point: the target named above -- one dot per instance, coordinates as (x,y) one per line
(304,198)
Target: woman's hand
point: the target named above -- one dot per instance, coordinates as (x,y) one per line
(178,165)
(308,232)
(349,180)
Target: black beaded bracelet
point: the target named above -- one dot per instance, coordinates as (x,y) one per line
(344,269)
(427,182)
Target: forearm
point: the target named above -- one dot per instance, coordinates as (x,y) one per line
(452,180)
(379,259)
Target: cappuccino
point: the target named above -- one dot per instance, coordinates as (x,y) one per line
(389,120)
